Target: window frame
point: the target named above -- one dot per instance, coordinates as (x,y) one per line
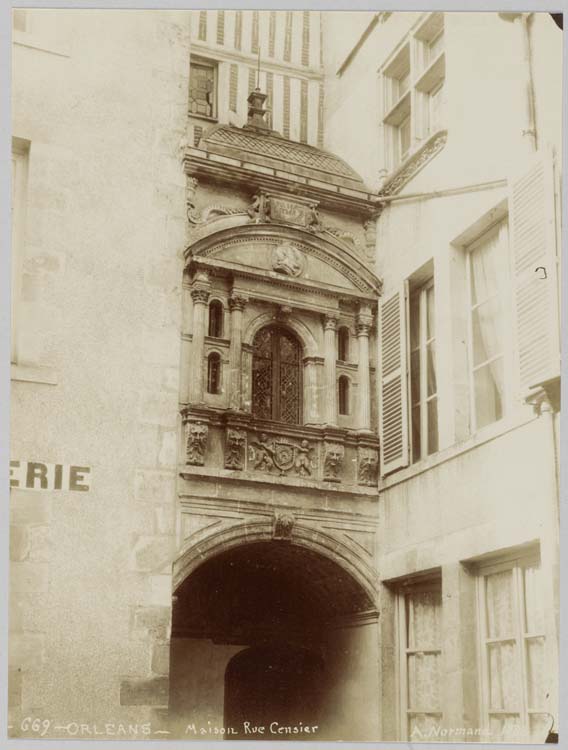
(507,354)
(343,343)
(214,357)
(423,343)
(344,395)
(217,305)
(426,78)
(517,565)
(205,62)
(276,362)
(424,585)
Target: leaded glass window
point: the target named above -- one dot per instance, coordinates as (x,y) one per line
(276,377)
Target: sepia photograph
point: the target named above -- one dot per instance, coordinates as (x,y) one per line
(284,325)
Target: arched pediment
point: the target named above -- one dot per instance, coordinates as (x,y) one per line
(284,253)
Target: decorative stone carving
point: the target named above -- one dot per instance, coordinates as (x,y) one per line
(367,466)
(414,164)
(370,227)
(283,524)
(191,188)
(282,455)
(330,321)
(288,260)
(260,208)
(341,234)
(196,442)
(333,462)
(200,295)
(314,224)
(235,446)
(237,301)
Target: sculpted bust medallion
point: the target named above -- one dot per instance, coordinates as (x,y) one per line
(288,259)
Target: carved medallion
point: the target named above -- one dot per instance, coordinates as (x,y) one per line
(288,260)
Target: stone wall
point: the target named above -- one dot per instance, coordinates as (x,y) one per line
(100,100)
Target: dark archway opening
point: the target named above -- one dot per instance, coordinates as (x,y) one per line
(273,684)
(270,639)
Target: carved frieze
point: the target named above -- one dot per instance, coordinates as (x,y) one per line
(367,466)
(282,525)
(196,442)
(333,462)
(235,447)
(282,455)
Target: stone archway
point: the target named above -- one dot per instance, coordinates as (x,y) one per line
(294,608)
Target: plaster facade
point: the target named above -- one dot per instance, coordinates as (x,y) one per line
(248,508)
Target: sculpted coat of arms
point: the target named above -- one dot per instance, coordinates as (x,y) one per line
(281,455)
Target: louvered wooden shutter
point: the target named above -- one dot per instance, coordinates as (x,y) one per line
(535,299)
(393,408)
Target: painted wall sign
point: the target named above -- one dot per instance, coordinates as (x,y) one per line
(36,475)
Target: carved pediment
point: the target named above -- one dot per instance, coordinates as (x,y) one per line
(294,254)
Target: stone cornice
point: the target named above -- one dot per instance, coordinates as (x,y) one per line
(254,478)
(246,174)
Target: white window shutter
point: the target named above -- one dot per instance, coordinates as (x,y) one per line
(534,256)
(393,402)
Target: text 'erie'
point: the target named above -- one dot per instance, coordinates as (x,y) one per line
(37,475)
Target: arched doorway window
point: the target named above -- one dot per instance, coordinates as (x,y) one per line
(276,376)
(343,394)
(215,319)
(214,373)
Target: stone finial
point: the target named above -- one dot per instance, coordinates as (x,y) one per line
(256,110)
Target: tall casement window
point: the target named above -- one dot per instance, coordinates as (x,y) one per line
(412,84)
(343,344)
(488,282)
(420,649)
(423,388)
(215,327)
(214,373)
(343,395)
(512,647)
(202,88)
(276,376)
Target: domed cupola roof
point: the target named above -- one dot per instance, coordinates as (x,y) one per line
(256,153)
(268,148)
